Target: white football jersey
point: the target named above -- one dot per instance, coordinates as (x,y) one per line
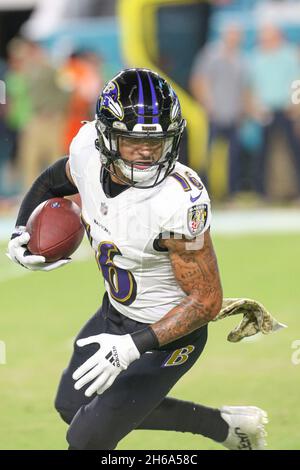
(123,230)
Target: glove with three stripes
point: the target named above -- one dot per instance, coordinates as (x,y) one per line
(114,355)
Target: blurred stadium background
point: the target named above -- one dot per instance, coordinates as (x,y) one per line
(233,64)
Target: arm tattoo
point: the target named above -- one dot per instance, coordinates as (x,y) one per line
(198,276)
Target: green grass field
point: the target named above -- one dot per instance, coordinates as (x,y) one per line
(42,312)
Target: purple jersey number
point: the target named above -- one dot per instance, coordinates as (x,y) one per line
(121,282)
(185,181)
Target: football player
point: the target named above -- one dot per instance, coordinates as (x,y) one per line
(148,219)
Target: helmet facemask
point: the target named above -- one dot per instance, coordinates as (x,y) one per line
(141,173)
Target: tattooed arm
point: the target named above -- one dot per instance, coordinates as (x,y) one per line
(196,271)
(197,274)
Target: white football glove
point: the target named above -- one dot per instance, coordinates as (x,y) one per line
(18,252)
(114,355)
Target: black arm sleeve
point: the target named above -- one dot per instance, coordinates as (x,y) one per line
(53,182)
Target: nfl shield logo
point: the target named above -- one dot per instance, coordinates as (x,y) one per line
(197,217)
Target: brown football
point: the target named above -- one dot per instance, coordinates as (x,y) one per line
(55,229)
